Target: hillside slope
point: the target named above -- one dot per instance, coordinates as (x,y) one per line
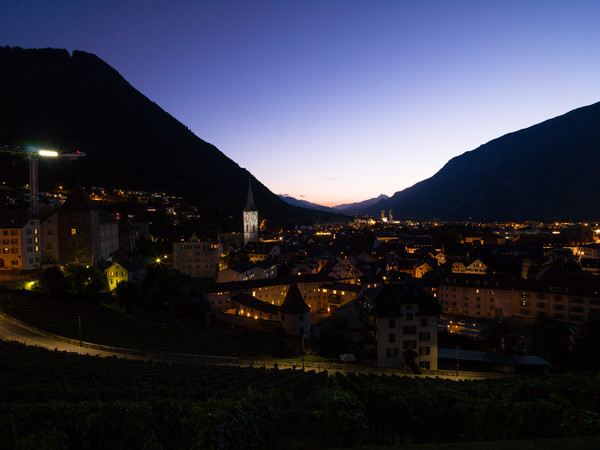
(549,171)
(72,102)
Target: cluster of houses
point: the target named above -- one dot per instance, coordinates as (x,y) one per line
(75,232)
(390,288)
(380,288)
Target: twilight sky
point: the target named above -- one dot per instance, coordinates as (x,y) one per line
(336,101)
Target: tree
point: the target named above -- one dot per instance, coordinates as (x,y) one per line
(587,344)
(550,340)
(504,337)
(166,290)
(86,282)
(127,295)
(489,237)
(53,282)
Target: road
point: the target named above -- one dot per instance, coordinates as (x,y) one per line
(12,330)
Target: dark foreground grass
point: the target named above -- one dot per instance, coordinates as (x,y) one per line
(572,443)
(52,399)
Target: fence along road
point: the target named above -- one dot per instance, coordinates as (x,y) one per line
(13,329)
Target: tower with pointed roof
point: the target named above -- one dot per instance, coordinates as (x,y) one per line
(250,217)
(294,313)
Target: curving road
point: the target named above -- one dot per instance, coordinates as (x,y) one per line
(11,329)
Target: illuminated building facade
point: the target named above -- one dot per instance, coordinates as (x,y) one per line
(197,253)
(20,245)
(567,297)
(474,295)
(125,271)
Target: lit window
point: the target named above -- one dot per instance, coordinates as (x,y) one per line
(73,230)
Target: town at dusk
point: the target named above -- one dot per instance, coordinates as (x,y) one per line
(299,225)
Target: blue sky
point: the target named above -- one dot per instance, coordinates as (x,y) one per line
(336,101)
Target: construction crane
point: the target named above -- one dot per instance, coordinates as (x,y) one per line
(33,155)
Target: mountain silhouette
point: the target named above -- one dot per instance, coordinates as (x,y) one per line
(67,102)
(549,171)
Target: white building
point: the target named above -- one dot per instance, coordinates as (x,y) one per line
(406,327)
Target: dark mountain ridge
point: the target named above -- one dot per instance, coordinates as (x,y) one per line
(549,171)
(68,102)
(353,208)
(305,204)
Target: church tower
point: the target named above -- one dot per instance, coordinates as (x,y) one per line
(250,217)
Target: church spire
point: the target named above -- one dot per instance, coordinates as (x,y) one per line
(250,206)
(250,217)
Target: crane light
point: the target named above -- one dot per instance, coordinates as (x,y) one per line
(47,153)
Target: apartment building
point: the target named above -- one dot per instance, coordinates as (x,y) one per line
(20,241)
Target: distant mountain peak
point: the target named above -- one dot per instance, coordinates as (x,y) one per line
(305,204)
(353,208)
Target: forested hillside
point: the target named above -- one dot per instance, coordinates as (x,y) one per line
(51,99)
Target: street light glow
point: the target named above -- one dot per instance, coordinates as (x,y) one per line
(47,153)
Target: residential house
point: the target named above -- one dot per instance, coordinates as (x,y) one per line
(413,267)
(351,322)
(405,321)
(243,271)
(344,268)
(333,294)
(267,268)
(259,251)
(472,295)
(589,251)
(125,271)
(476,267)
(196,251)
(568,297)
(71,234)
(109,235)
